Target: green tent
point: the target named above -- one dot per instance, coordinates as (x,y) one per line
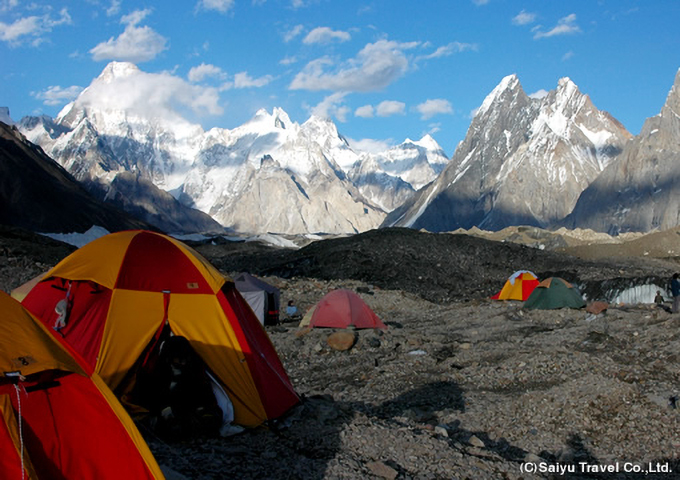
(554,293)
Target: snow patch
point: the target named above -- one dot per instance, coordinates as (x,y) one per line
(79,239)
(274,240)
(599,139)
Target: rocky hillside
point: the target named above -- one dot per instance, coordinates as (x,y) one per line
(640,191)
(38,194)
(441,268)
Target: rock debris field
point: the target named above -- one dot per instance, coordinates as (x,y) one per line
(458,386)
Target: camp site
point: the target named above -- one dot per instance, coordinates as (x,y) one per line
(393,371)
(340,240)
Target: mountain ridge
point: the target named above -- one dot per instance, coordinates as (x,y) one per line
(524,161)
(267,175)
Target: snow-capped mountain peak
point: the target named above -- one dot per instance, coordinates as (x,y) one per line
(277,125)
(524,161)
(509,83)
(414,163)
(322,126)
(278,119)
(565,83)
(426,142)
(116,70)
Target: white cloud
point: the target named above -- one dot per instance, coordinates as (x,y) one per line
(565,26)
(7,5)
(432,107)
(433,128)
(451,48)
(55,95)
(375,66)
(367,111)
(300,3)
(222,6)
(243,80)
(292,33)
(480,2)
(64,19)
(388,108)
(203,71)
(288,61)
(135,17)
(27,26)
(524,18)
(369,145)
(114,9)
(151,95)
(332,106)
(567,55)
(325,35)
(135,44)
(33,28)
(539,94)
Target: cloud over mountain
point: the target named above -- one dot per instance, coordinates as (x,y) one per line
(136,43)
(374,67)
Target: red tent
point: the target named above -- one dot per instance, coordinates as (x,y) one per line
(58,419)
(342,308)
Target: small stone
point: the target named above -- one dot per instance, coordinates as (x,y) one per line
(476,442)
(379,469)
(597,307)
(341,341)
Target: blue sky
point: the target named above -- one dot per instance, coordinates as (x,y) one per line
(383,70)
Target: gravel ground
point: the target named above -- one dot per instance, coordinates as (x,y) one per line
(474,390)
(458,386)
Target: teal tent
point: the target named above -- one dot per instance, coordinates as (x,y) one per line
(554,293)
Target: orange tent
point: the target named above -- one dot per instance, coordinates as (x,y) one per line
(518,287)
(111,299)
(340,309)
(57,418)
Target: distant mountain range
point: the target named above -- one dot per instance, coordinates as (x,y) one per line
(267,175)
(547,162)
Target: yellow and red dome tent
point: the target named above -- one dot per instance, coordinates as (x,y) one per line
(57,418)
(114,296)
(518,287)
(14,461)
